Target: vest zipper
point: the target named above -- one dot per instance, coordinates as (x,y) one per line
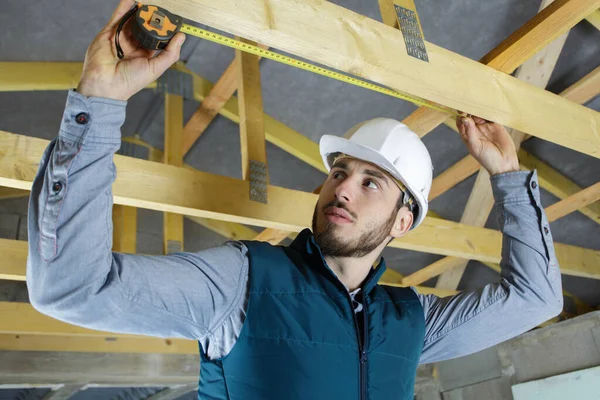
(362,353)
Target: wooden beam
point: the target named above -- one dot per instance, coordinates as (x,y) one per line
(552,21)
(508,55)
(124,229)
(574,202)
(594,19)
(276,133)
(94,344)
(326,33)
(581,92)
(556,183)
(585,89)
(252,130)
(535,71)
(217,197)
(10,193)
(553,212)
(173,223)
(104,369)
(230,230)
(64,393)
(14,259)
(210,107)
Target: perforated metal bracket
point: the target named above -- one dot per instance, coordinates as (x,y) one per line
(411,30)
(258,181)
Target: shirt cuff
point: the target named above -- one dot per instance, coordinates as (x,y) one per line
(516,186)
(92,120)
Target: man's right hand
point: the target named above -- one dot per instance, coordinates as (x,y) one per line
(105,75)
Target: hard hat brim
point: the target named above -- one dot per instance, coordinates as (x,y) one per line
(330,145)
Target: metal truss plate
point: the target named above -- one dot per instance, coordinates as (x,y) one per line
(258,181)
(411,30)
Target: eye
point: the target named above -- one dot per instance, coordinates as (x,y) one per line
(371,184)
(337,175)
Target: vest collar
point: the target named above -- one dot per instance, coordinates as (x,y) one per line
(305,244)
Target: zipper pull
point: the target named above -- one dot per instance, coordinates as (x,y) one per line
(363,357)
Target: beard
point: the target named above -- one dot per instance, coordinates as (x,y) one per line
(333,246)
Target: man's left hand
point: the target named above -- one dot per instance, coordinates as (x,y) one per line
(489,143)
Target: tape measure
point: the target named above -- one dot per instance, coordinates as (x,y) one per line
(153,28)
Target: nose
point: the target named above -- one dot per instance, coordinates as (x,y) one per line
(343,191)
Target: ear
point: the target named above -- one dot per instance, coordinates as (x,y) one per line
(403,222)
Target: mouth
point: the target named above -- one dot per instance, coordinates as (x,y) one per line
(338,215)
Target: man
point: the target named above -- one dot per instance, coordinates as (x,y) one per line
(308,321)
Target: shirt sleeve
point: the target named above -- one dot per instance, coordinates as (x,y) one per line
(529,291)
(72,274)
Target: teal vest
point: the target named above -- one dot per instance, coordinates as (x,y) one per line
(302,341)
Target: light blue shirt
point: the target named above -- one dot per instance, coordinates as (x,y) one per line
(73,276)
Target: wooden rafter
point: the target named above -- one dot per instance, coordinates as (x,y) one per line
(557,184)
(124,228)
(553,212)
(575,202)
(507,56)
(212,196)
(536,71)
(594,19)
(10,193)
(172,222)
(252,128)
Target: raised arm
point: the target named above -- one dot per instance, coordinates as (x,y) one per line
(72,274)
(530,290)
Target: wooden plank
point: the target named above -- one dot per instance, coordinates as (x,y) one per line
(574,202)
(594,19)
(272,236)
(16,264)
(230,230)
(124,229)
(95,344)
(103,369)
(556,183)
(326,33)
(585,89)
(553,212)
(252,130)
(217,197)
(277,133)
(508,55)
(432,270)
(581,92)
(173,223)
(536,71)
(17,318)
(64,393)
(553,20)
(10,193)
(210,107)
(14,259)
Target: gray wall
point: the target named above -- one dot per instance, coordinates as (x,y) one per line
(557,349)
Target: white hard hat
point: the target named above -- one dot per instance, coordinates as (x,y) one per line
(394,148)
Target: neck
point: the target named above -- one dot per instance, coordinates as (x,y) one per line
(352,271)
